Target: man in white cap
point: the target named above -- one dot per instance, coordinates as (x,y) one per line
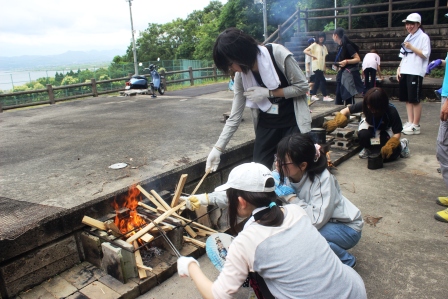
(414,54)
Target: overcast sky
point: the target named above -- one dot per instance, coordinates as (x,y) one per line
(47,27)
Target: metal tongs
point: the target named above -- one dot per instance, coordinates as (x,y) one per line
(162,232)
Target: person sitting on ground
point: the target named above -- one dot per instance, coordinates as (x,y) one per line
(442,137)
(380,130)
(302,166)
(280,250)
(370,67)
(318,51)
(304,180)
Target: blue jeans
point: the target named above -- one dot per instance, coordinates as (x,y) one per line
(340,237)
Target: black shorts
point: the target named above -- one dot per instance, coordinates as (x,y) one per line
(410,88)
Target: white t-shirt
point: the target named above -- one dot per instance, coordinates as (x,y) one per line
(319,51)
(412,64)
(371,60)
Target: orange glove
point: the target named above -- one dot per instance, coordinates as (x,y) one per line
(339,121)
(388,148)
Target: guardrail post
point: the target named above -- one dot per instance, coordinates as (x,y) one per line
(215,73)
(190,72)
(298,19)
(162,73)
(94,90)
(279,34)
(50,94)
(1,108)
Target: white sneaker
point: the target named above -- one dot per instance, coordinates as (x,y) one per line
(315,98)
(411,130)
(328,99)
(406,124)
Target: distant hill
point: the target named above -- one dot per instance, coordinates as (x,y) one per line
(67,59)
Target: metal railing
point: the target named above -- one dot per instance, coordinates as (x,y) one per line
(53,94)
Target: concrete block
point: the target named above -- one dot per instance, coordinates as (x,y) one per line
(59,287)
(343,144)
(37,292)
(92,248)
(97,290)
(129,290)
(344,133)
(128,260)
(39,258)
(82,274)
(117,262)
(31,279)
(147,283)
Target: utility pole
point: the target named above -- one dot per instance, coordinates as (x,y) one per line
(265,17)
(133,39)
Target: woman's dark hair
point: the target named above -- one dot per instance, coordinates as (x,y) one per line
(321,34)
(375,99)
(258,199)
(300,148)
(235,46)
(345,41)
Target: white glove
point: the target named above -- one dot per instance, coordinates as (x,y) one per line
(182,265)
(256,94)
(213,160)
(196,201)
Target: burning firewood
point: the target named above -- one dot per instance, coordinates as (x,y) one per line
(329,163)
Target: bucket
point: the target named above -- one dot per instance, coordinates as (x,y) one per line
(375,161)
(318,135)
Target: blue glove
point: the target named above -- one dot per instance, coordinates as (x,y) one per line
(433,65)
(281,190)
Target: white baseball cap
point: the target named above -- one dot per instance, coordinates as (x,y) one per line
(248,177)
(414,18)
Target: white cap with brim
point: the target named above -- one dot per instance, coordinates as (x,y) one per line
(414,18)
(249,177)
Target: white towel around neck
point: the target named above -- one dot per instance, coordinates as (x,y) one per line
(268,76)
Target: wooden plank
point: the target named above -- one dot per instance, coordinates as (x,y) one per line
(94,223)
(166,207)
(151,225)
(202,210)
(179,217)
(150,197)
(139,261)
(180,186)
(194,241)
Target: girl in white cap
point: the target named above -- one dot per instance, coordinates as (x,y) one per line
(414,53)
(280,250)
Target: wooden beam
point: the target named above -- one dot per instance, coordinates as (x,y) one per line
(139,261)
(151,225)
(94,223)
(150,197)
(166,207)
(194,241)
(180,217)
(180,186)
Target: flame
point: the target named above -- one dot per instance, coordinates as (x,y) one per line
(126,224)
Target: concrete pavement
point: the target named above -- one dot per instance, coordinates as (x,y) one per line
(58,156)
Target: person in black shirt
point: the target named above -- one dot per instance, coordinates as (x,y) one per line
(348,79)
(380,130)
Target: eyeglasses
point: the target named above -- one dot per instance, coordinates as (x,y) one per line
(283,164)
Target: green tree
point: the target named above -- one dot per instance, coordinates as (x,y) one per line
(68,80)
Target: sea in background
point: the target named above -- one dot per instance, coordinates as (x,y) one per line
(8,79)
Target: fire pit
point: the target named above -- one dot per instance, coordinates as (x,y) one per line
(125,244)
